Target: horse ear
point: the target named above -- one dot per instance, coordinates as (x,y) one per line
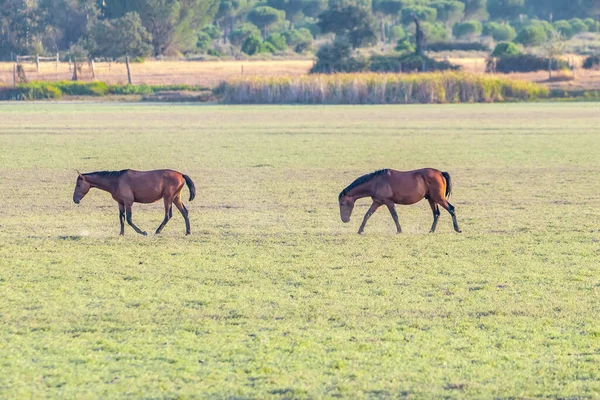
(80,174)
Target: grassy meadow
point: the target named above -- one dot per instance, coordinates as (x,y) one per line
(272,296)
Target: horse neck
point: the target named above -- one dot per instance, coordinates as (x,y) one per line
(360,191)
(106,183)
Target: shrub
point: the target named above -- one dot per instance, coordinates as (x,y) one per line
(499,32)
(404,46)
(564,27)
(523,63)
(30,91)
(214,52)
(531,36)
(300,39)
(82,88)
(204,41)
(578,26)
(592,25)
(212,31)
(592,62)
(505,48)
(467,29)
(371,88)
(242,32)
(407,62)
(254,45)
(434,32)
(457,46)
(278,41)
(396,32)
(337,57)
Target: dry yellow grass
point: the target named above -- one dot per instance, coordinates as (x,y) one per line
(207,73)
(210,73)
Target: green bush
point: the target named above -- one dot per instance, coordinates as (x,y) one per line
(203,42)
(592,62)
(435,32)
(408,63)
(212,31)
(523,63)
(404,46)
(505,48)
(457,46)
(82,88)
(214,52)
(578,26)
(499,32)
(564,27)
(592,25)
(533,35)
(242,32)
(253,45)
(299,39)
(468,29)
(278,41)
(337,57)
(396,32)
(30,91)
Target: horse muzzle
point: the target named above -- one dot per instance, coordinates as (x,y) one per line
(76,201)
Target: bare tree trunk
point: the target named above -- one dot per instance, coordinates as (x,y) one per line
(420,38)
(128,70)
(75,69)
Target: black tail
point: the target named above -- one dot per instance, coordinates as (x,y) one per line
(190,185)
(448,183)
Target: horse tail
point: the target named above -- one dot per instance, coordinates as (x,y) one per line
(190,185)
(448,183)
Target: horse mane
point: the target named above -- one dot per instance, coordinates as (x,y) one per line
(360,180)
(107,173)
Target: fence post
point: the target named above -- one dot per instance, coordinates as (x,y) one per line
(37,62)
(128,70)
(549,68)
(56,62)
(242,69)
(69,64)
(15,74)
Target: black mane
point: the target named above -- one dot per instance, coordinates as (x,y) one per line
(361,180)
(107,173)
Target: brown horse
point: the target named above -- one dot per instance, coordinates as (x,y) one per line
(129,186)
(390,187)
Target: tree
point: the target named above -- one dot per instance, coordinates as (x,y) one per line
(467,30)
(242,32)
(173,24)
(533,35)
(120,37)
(475,9)
(66,21)
(424,14)
(293,8)
(505,9)
(500,32)
(355,23)
(388,7)
(564,27)
(265,17)
(313,8)
(449,11)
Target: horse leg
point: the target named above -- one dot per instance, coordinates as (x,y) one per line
(128,217)
(436,214)
(122,218)
(179,204)
(392,208)
(370,212)
(168,214)
(450,208)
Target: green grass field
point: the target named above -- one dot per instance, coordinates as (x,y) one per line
(272,296)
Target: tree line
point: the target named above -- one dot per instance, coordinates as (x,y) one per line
(143,28)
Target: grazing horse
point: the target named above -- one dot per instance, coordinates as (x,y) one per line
(129,186)
(390,187)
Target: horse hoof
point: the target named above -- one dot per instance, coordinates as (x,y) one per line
(144,233)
